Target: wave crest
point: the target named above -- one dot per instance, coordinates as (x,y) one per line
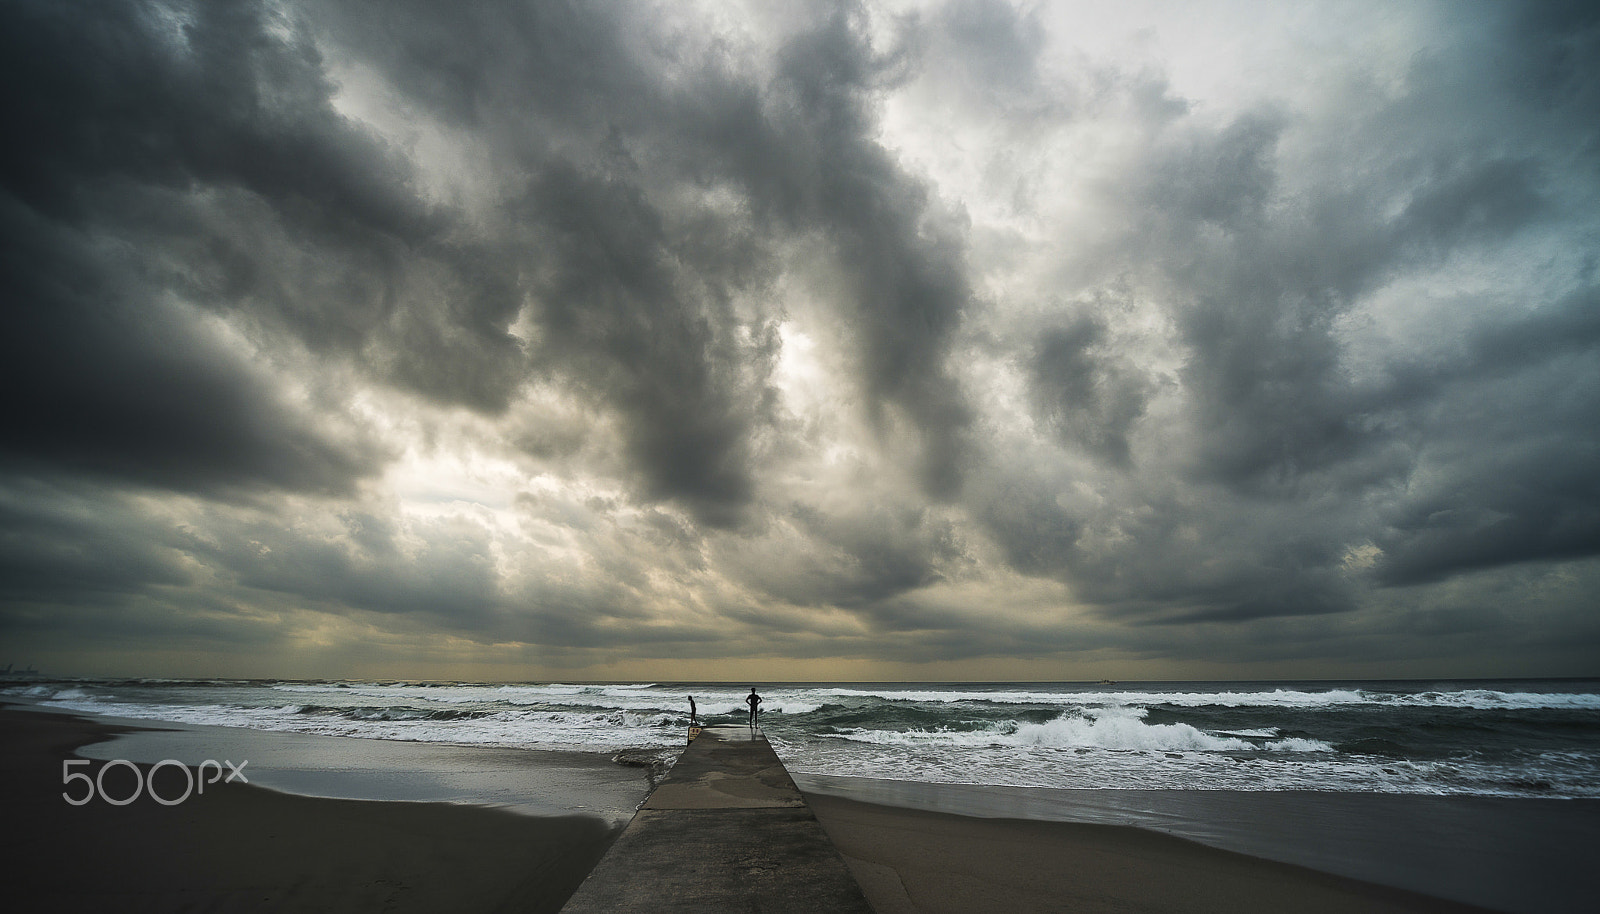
(1122,729)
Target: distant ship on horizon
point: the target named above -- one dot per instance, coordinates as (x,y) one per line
(9,673)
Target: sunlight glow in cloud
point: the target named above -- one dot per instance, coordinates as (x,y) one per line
(889,339)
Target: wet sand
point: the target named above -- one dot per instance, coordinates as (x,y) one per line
(915,861)
(244,848)
(1519,854)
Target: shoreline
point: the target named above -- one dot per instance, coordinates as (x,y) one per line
(240,847)
(536,782)
(445,847)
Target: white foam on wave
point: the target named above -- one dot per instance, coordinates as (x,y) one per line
(1275,698)
(1112,770)
(1473,699)
(588,718)
(67,694)
(1111,728)
(1489,700)
(641,696)
(585,731)
(213,715)
(1100,737)
(627,696)
(1123,730)
(950,697)
(37,691)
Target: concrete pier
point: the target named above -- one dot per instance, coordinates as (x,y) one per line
(725,831)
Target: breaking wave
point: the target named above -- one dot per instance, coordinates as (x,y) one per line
(1117,729)
(1484,738)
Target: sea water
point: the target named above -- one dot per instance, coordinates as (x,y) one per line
(1481,791)
(1480,738)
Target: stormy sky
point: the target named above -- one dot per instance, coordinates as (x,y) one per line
(964,339)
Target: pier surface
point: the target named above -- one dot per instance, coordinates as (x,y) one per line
(725,831)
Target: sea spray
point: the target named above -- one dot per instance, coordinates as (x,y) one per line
(1501,738)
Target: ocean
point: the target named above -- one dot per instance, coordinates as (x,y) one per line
(1486,792)
(1481,738)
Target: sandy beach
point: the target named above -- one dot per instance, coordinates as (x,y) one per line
(929,863)
(245,848)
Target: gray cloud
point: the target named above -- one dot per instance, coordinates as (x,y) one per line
(803,148)
(830,333)
(615,316)
(102,376)
(1523,487)
(1264,287)
(61,546)
(1090,395)
(859,558)
(183,93)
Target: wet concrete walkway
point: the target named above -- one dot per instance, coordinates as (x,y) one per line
(725,831)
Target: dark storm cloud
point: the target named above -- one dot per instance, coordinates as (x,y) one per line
(1268,365)
(109,118)
(204,136)
(617,319)
(1264,366)
(904,257)
(631,305)
(58,546)
(1557,57)
(1555,518)
(803,149)
(85,566)
(607,144)
(1526,486)
(1475,457)
(1038,535)
(174,95)
(857,558)
(1223,179)
(101,376)
(1086,391)
(448,574)
(593,328)
(1173,556)
(121,115)
(1281,408)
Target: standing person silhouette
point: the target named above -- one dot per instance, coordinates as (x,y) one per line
(754,701)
